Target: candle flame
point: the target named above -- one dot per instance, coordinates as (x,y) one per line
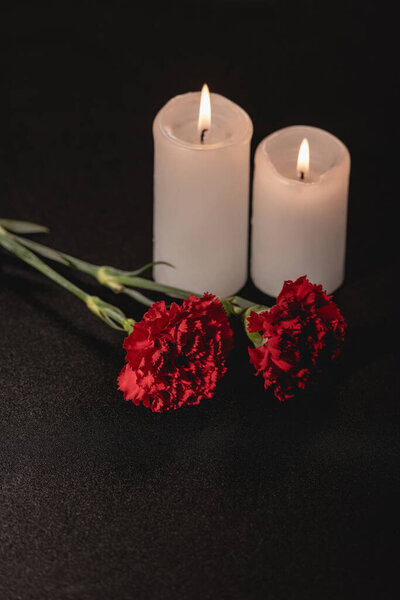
(204,122)
(303,159)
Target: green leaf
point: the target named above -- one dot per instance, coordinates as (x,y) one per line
(148,266)
(114,272)
(22,226)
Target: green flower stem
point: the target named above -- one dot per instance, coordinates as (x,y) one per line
(115,279)
(13,246)
(120,281)
(149,284)
(238,305)
(107,276)
(57,256)
(107,312)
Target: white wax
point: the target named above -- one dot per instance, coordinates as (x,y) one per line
(299,227)
(201,195)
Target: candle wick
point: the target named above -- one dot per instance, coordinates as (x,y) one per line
(302,175)
(202,135)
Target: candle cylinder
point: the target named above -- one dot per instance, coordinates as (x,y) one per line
(201,195)
(299,225)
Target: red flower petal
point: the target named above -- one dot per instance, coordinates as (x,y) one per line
(176,356)
(303,331)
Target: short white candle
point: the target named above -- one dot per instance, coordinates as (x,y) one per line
(201,194)
(299,209)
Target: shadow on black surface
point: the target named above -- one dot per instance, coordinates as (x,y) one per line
(18,285)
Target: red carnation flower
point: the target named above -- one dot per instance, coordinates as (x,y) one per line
(302,332)
(176,356)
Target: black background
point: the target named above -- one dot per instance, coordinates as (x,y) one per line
(241,497)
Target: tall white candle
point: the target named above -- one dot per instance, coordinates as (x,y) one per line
(299,209)
(201,194)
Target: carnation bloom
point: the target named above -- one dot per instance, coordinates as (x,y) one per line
(302,332)
(176,356)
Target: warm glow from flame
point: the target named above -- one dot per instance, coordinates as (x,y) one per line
(205,110)
(303,159)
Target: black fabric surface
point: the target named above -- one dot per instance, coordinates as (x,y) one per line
(241,497)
